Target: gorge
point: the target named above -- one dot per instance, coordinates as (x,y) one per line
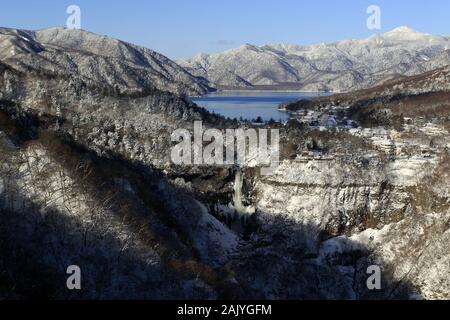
(87,178)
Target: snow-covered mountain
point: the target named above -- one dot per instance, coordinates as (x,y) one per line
(341,66)
(97,59)
(86,127)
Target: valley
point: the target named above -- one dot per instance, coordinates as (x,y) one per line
(87,176)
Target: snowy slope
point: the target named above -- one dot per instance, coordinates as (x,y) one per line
(100,59)
(344,65)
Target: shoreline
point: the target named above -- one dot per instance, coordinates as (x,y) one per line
(312,93)
(271,90)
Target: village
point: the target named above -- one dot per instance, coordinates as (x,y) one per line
(418,138)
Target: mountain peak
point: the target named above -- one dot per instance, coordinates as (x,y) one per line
(103,60)
(248,46)
(403,30)
(405,33)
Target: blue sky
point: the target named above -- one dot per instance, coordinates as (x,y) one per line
(181,28)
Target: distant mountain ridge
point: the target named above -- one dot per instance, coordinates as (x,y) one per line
(100,59)
(341,66)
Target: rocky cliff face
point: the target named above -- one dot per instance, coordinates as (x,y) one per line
(86,179)
(347,215)
(341,66)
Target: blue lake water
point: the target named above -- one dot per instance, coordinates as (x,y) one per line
(249,104)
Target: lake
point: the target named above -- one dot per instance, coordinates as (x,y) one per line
(250,104)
